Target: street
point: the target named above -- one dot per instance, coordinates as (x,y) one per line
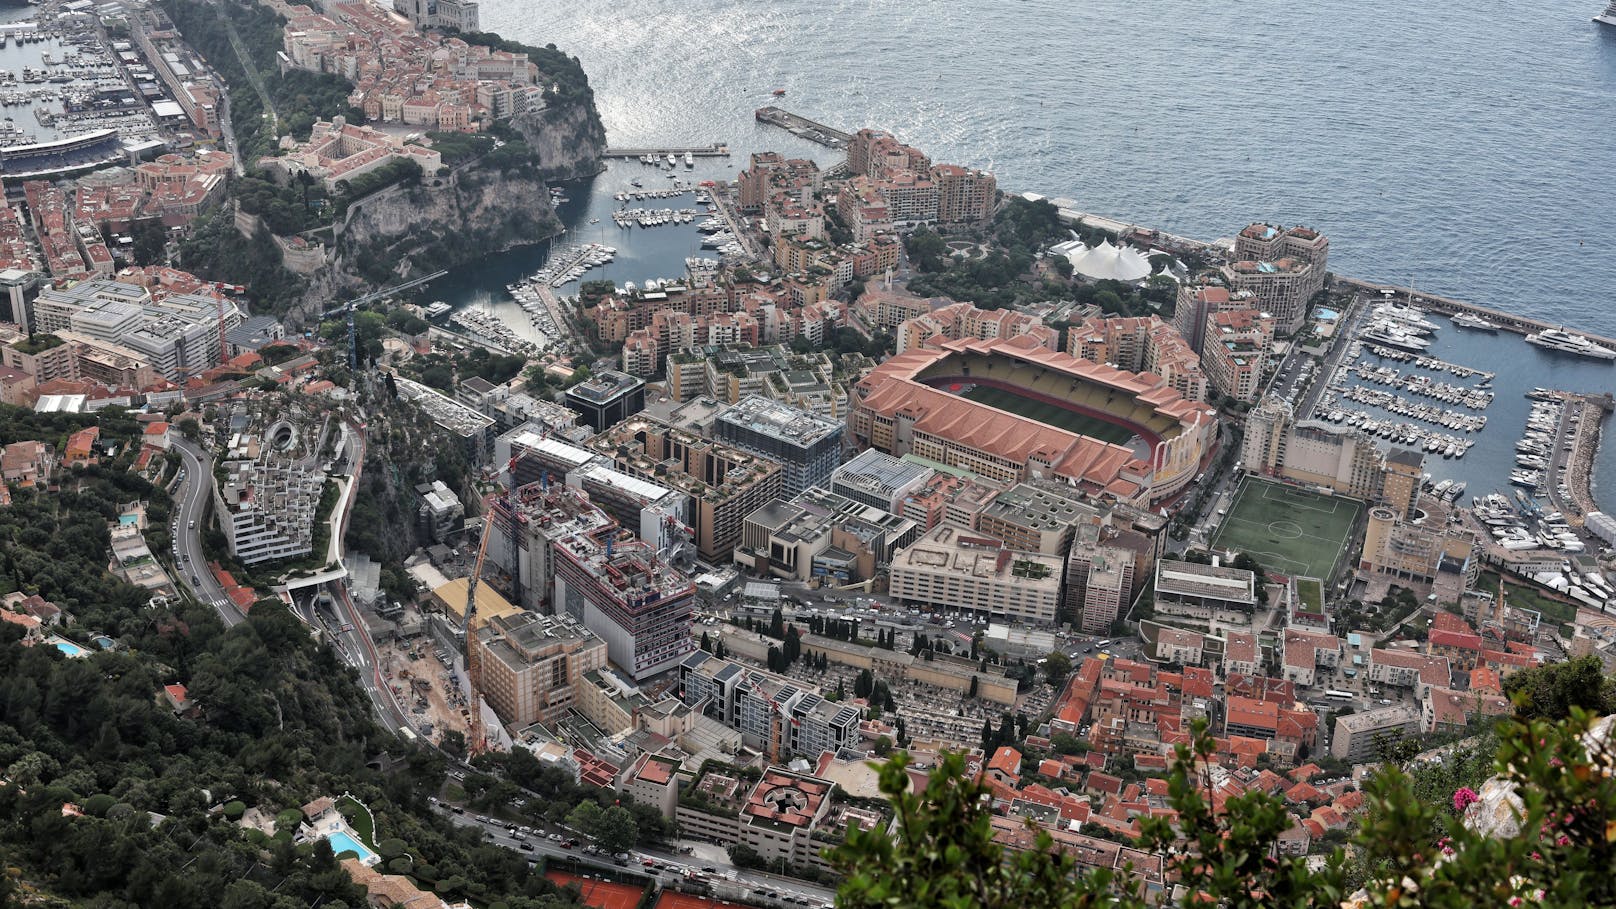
(191,500)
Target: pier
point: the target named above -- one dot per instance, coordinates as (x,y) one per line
(1577,470)
(1449,306)
(802,127)
(716,150)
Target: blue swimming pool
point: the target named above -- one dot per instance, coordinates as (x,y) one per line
(69,648)
(341,842)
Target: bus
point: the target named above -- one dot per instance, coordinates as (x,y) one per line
(1335,695)
(1104,643)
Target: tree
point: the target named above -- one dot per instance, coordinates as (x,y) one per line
(1551,691)
(706,642)
(883,746)
(777,625)
(988,739)
(864,684)
(1057,666)
(793,645)
(1007,729)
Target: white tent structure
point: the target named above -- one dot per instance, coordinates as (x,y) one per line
(1106,262)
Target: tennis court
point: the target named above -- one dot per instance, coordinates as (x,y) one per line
(1291,531)
(600,894)
(1049,414)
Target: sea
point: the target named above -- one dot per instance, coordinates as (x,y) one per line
(1466,150)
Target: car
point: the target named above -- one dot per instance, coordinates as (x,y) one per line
(457,809)
(527,847)
(554,837)
(195,580)
(709,869)
(566,845)
(193,525)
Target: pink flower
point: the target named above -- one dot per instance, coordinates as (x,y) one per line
(1562,840)
(1464,797)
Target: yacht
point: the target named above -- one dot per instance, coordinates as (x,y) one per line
(1569,342)
(1608,17)
(690,160)
(1471,320)
(1391,334)
(1410,316)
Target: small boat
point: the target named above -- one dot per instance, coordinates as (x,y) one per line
(779,93)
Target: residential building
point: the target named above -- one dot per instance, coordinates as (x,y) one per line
(724,484)
(607,398)
(808,447)
(1235,352)
(1307,657)
(962,320)
(1409,669)
(474,429)
(652,780)
(772,713)
(1100,583)
(267,508)
(1418,552)
(1140,345)
(176,334)
(1444,711)
(955,570)
(529,666)
(1282,268)
(621,590)
(27,463)
(1400,486)
(786,818)
(441,513)
(1362,738)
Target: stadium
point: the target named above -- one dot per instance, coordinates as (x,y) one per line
(1009,411)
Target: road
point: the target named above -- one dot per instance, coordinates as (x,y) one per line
(192,498)
(673,866)
(351,638)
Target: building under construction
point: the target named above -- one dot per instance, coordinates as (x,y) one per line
(628,594)
(523,530)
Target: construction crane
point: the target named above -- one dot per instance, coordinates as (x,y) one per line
(349,308)
(478,740)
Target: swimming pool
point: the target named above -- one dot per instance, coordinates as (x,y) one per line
(342,842)
(69,648)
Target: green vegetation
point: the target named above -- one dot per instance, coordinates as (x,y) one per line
(1291,530)
(1050,414)
(298,97)
(1523,595)
(1002,276)
(217,251)
(1551,692)
(280,722)
(37,344)
(1413,849)
(293,208)
(444,372)
(393,173)
(1311,594)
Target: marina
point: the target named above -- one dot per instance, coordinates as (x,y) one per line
(716,150)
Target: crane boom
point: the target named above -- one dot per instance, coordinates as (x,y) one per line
(478,740)
(352,306)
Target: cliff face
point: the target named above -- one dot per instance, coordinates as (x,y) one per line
(569,139)
(406,231)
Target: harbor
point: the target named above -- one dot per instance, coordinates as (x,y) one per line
(715,150)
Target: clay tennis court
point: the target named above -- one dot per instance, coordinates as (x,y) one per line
(600,894)
(671,900)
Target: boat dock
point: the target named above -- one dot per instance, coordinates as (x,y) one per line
(1576,473)
(1449,306)
(803,127)
(716,150)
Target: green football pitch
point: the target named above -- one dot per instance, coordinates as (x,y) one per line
(1050,415)
(1289,530)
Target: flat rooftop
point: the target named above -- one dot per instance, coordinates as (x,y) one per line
(781,421)
(1196,580)
(605,386)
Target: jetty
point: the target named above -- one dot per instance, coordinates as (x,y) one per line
(716,150)
(802,127)
(1449,306)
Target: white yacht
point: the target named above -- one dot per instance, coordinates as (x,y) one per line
(1411,317)
(1392,334)
(1569,342)
(1471,320)
(1608,17)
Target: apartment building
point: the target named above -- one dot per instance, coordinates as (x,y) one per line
(724,484)
(267,508)
(952,569)
(1419,552)
(1140,345)
(772,713)
(1037,516)
(529,666)
(606,399)
(1362,738)
(524,528)
(1237,345)
(807,446)
(962,320)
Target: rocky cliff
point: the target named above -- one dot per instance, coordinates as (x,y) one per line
(568,139)
(442,222)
